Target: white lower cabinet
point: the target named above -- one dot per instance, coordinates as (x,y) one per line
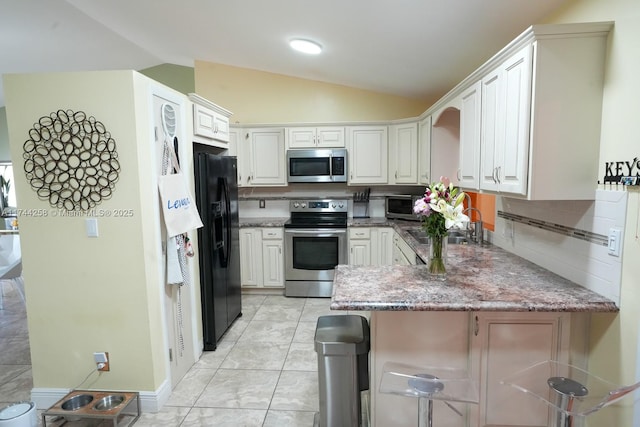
(370,245)
(359,246)
(491,345)
(261,257)
(402,252)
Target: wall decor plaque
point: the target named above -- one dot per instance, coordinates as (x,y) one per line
(70,160)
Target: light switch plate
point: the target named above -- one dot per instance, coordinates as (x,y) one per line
(614,241)
(91,225)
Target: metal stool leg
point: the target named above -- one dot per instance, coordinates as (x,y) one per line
(425,412)
(566,390)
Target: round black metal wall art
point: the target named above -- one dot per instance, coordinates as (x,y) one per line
(70,160)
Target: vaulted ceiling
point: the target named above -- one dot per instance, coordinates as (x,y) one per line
(412,48)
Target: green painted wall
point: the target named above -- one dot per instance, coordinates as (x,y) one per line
(177,77)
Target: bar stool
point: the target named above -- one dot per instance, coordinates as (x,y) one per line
(570,392)
(428,384)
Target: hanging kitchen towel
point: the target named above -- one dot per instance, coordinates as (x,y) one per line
(174,269)
(178,206)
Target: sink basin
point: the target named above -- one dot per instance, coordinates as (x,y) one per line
(419,235)
(455,237)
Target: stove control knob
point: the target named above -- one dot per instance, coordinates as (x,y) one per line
(333,206)
(304,205)
(296,204)
(341,205)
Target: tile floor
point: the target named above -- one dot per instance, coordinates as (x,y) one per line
(264,372)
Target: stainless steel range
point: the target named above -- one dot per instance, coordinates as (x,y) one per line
(315,241)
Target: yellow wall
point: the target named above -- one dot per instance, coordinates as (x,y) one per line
(261,97)
(91,294)
(614,339)
(176,77)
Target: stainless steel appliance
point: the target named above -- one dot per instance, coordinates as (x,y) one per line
(317,165)
(218,242)
(400,206)
(315,241)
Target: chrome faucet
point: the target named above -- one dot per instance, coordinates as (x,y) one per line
(476,232)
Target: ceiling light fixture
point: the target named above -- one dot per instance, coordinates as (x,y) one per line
(305,46)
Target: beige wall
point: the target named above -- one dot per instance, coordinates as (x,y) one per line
(261,97)
(614,339)
(91,294)
(4,136)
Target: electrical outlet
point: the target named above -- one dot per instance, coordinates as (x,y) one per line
(102,361)
(262,203)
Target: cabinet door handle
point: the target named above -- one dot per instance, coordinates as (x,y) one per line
(459,175)
(396,174)
(495,171)
(498,173)
(476,327)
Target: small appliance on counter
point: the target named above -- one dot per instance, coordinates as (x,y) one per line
(400,206)
(361,203)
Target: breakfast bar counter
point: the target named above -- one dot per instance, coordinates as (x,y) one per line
(494,314)
(479,278)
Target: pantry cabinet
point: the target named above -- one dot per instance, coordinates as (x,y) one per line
(261,257)
(367,154)
(403,153)
(315,137)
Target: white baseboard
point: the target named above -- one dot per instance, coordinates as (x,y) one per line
(150,401)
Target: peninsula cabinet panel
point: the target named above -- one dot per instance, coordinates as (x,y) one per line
(503,344)
(367,148)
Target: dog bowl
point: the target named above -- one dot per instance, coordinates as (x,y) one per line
(108,402)
(76,402)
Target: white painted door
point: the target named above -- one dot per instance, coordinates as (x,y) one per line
(179,301)
(272,263)
(382,246)
(491,129)
(330,137)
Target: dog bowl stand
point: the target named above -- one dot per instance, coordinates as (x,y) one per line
(129,407)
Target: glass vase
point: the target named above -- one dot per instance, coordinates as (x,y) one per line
(437,264)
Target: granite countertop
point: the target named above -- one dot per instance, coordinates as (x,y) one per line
(479,278)
(263,222)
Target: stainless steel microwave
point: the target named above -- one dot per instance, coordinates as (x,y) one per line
(317,165)
(400,206)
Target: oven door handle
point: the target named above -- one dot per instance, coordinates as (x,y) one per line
(316,232)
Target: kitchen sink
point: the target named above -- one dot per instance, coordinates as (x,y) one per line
(456,237)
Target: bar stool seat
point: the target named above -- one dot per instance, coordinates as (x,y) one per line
(570,392)
(428,384)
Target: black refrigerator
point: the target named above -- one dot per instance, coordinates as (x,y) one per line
(218,242)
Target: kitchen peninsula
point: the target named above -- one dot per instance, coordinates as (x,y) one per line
(495,314)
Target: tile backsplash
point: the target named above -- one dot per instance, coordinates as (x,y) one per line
(566,237)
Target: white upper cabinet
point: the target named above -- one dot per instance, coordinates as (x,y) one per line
(367,147)
(265,162)
(539,122)
(506,101)
(403,153)
(315,137)
(468,172)
(210,122)
(424,151)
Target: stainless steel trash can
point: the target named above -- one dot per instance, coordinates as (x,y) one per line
(342,344)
